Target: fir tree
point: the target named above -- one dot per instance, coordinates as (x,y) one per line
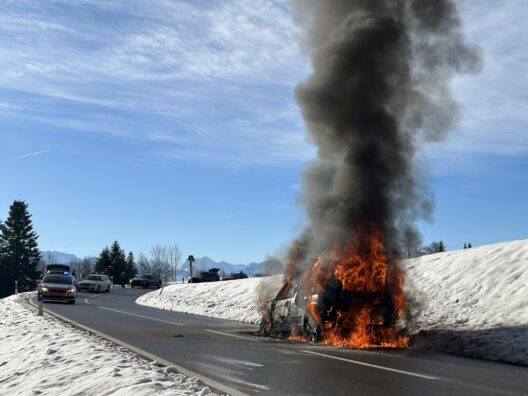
(118,260)
(103,264)
(465,246)
(441,247)
(19,254)
(469,245)
(131,266)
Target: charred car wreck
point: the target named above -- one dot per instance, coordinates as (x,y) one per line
(312,316)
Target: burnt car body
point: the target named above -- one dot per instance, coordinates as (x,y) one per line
(146,281)
(206,276)
(58,288)
(292,313)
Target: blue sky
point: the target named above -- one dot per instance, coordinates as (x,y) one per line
(174,121)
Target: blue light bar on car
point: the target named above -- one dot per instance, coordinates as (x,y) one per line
(65,272)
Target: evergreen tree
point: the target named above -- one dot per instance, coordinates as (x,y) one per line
(469,245)
(118,261)
(19,254)
(465,246)
(131,266)
(441,247)
(103,263)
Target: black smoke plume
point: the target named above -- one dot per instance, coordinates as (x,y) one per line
(378,91)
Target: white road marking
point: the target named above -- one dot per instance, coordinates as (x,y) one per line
(239,363)
(141,316)
(370,365)
(86,300)
(230,335)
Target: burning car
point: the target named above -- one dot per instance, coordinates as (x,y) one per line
(290,314)
(287,314)
(353,297)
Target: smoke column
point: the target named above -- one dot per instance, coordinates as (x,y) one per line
(378,91)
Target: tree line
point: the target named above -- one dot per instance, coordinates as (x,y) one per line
(164,261)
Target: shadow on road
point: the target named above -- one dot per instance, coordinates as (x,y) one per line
(504,344)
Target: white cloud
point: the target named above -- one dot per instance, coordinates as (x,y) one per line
(495,102)
(203,69)
(214,80)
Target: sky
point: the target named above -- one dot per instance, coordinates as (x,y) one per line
(169,122)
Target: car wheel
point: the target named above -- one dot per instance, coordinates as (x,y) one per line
(71,302)
(108,290)
(312,331)
(98,289)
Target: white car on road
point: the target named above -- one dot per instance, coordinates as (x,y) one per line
(95,283)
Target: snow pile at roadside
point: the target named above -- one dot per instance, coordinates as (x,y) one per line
(472,302)
(233,300)
(40,355)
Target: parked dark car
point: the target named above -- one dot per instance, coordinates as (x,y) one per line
(147,280)
(235,275)
(206,276)
(58,288)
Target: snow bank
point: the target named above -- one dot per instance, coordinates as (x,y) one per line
(233,300)
(472,302)
(40,355)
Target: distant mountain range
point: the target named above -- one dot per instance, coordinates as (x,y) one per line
(267,267)
(58,257)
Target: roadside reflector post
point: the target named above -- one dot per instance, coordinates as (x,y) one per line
(16,287)
(39,302)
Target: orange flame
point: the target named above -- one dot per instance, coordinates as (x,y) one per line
(370,291)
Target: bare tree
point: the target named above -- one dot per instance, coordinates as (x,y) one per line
(159,261)
(174,259)
(87,266)
(46,259)
(143,264)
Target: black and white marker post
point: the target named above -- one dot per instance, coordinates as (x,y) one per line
(39,302)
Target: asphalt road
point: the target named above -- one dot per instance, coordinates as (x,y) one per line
(228,353)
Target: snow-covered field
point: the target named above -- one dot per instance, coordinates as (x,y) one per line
(41,355)
(471,302)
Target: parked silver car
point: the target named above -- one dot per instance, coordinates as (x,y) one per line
(95,283)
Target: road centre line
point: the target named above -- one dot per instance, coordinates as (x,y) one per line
(230,335)
(369,365)
(141,316)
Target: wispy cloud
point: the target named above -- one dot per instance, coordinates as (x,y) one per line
(32,154)
(199,68)
(213,81)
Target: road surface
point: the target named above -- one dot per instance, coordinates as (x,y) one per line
(228,353)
